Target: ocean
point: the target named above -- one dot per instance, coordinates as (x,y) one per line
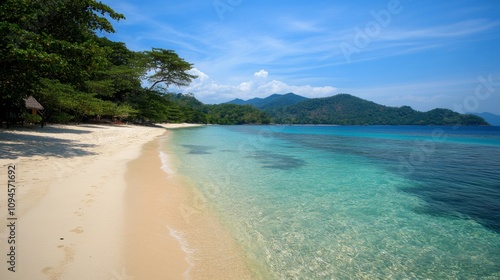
(352,202)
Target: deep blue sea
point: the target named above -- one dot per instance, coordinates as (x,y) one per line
(353,202)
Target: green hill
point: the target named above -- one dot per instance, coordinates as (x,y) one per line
(345,109)
(272,101)
(341,109)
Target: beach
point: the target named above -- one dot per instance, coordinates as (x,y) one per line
(117,202)
(166,213)
(92,202)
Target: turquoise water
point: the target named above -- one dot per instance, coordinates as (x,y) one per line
(330,202)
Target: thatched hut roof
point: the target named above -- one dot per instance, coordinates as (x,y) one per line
(31,103)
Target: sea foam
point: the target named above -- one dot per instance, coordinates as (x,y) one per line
(185,247)
(165,166)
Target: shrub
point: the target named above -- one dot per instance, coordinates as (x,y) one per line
(29,118)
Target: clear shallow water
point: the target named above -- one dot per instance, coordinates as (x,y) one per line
(323,202)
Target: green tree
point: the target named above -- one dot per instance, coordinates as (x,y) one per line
(169,68)
(122,77)
(235,114)
(151,106)
(64,103)
(52,39)
(50,49)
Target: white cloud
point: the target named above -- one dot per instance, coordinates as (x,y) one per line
(459,29)
(246,86)
(261,74)
(201,76)
(209,91)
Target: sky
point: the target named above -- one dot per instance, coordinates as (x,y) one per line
(424,54)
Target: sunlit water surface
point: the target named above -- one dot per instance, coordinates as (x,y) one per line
(334,202)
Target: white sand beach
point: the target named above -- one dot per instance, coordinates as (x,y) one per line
(69,199)
(90,203)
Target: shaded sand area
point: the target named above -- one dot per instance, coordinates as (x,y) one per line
(78,216)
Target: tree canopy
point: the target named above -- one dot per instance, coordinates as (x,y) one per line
(49,39)
(168,68)
(50,49)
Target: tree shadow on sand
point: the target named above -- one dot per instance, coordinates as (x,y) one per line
(13,146)
(81,129)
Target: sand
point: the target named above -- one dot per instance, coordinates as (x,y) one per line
(92,202)
(69,199)
(167,205)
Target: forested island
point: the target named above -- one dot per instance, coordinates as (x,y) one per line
(51,50)
(345,109)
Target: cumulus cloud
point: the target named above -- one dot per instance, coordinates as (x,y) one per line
(246,86)
(261,74)
(209,91)
(201,76)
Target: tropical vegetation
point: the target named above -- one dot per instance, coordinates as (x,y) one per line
(345,109)
(52,50)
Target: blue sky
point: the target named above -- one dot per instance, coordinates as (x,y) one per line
(424,54)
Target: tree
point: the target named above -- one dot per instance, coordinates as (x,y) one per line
(64,103)
(169,68)
(122,77)
(51,39)
(235,114)
(50,49)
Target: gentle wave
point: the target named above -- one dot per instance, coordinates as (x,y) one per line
(185,247)
(165,166)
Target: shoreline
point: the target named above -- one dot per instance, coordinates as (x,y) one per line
(176,212)
(83,211)
(151,252)
(69,191)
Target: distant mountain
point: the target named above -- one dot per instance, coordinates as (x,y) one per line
(490,118)
(345,109)
(272,101)
(237,101)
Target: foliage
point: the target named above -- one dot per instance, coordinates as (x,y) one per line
(63,100)
(186,108)
(152,106)
(169,68)
(61,117)
(29,118)
(51,39)
(272,101)
(345,109)
(122,76)
(49,49)
(235,114)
